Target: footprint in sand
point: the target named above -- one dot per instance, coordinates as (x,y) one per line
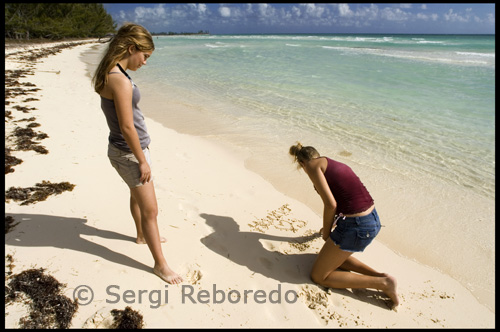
(101,319)
(319,300)
(268,246)
(183,156)
(189,209)
(314,297)
(194,276)
(111,318)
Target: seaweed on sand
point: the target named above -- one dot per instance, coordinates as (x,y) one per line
(38,193)
(25,136)
(127,319)
(48,308)
(9,223)
(10,161)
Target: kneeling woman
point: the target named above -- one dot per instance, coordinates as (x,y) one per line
(348,206)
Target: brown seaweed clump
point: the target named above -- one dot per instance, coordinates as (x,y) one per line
(11,265)
(127,319)
(38,193)
(48,308)
(9,223)
(24,139)
(23,136)
(10,161)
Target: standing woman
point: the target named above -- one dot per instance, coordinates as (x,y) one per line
(349,207)
(129,140)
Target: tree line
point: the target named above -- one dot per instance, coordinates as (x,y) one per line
(57,20)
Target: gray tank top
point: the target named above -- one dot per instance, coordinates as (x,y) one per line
(115,136)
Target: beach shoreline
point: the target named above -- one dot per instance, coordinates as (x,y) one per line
(211,217)
(403,201)
(426,213)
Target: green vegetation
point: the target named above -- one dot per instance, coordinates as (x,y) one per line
(56,20)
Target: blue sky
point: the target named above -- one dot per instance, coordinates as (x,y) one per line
(235,18)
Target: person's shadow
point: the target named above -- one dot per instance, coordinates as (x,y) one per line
(37,230)
(245,248)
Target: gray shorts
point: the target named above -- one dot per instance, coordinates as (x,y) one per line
(127,165)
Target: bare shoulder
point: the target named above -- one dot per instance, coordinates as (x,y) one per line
(117,80)
(118,85)
(316,166)
(320,163)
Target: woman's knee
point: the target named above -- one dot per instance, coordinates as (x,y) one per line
(149,213)
(146,200)
(316,277)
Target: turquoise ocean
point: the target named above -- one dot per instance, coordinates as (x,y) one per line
(413,115)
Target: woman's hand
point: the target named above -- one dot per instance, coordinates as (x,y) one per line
(325,234)
(145,172)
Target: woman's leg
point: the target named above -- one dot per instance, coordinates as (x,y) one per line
(146,200)
(355,265)
(331,257)
(136,214)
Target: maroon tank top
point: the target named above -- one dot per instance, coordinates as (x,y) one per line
(347,189)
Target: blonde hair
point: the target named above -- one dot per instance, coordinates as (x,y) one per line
(302,153)
(130,34)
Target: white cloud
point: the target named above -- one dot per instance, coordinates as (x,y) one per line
(299,16)
(490,18)
(454,17)
(421,16)
(178,13)
(145,14)
(225,11)
(344,10)
(122,15)
(314,11)
(368,13)
(394,14)
(248,9)
(200,9)
(263,9)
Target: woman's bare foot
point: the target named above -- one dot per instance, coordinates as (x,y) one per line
(391,290)
(168,275)
(142,240)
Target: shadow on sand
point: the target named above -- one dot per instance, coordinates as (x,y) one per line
(37,230)
(247,249)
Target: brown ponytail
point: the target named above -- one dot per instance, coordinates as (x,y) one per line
(303,153)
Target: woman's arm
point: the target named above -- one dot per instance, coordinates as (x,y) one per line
(317,176)
(122,95)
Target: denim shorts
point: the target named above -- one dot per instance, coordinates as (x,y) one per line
(127,165)
(354,234)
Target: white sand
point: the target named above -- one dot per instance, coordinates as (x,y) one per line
(222,223)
